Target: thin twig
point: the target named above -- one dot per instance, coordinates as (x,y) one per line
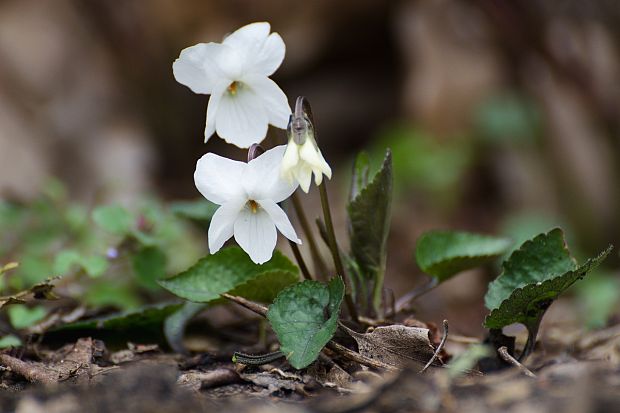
(503,352)
(357,357)
(250,305)
(404,301)
(333,247)
(300,260)
(439,347)
(321,268)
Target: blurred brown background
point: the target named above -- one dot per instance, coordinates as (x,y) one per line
(503,115)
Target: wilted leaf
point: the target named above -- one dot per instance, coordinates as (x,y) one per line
(369,223)
(229,269)
(396,345)
(21,316)
(41,290)
(304,317)
(443,254)
(113,218)
(534,276)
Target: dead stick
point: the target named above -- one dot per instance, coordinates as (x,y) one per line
(332,345)
(357,357)
(439,347)
(503,352)
(32,372)
(250,305)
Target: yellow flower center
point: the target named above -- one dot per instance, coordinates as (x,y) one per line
(253,205)
(232,88)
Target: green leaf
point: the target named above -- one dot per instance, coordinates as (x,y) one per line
(304,317)
(113,218)
(143,317)
(542,258)
(10,341)
(443,254)
(199,210)
(534,276)
(65,260)
(21,316)
(229,269)
(117,294)
(149,265)
(369,219)
(359,179)
(95,265)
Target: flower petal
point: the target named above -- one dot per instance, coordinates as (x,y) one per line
(196,68)
(275,100)
(279,217)
(241,118)
(222,224)
(268,58)
(256,234)
(219,179)
(248,38)
(303,175)
(214,103)
(263,180)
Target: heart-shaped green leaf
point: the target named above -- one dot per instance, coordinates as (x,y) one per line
(534,275)
(443,254)
(113,218)
(21,316)
(231,270)
(304,317)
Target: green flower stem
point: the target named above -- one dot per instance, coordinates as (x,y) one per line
(333,247)
(319,264)
(300,261)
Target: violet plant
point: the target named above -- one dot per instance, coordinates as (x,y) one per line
(304,314)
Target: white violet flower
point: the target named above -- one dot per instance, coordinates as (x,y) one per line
(303,156)
(236,74)
(249,194)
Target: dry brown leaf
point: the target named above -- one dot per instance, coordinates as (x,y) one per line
(396,345)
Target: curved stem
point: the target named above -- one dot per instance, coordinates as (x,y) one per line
(333,247)
(300,260)
(319,264)
(404,301)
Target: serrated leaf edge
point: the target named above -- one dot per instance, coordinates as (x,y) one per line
(592,263)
